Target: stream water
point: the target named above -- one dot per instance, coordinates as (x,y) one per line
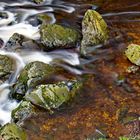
(21,18)
(18,21)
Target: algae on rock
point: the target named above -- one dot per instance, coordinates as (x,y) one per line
(23,111)
(94,30)
(55,36)
(30,76)
(6,67)
(52,96)
(11,131)
(133,53)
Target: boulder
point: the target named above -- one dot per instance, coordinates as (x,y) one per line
(30,76)
(52,96)
(55,36)
(94,30)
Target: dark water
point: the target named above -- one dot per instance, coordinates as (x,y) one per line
(95,110)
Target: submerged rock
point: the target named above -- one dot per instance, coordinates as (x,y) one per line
(55,36)
(23,111)
(52,96)
(94,30)
(30,76)
(18,42)
(11,131)
(6,67)
(133,53)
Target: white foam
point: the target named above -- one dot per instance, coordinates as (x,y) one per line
(6,21)
(21,28)
(6,106)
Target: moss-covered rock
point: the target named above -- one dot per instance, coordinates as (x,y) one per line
(38,1)
(94,29)
(55,36)
(6,67)
(44,18)
(11,131)
(52,96)
(133,53)
(18,42)
(3,15)
(30,76)
(23,111)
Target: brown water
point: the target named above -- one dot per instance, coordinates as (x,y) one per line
(108,87)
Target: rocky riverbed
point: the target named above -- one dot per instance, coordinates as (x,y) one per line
(69,70)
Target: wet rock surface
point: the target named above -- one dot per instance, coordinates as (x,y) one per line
(23,111)
(52,96)
(18,43)
(6,67)
(36,73)
(94,29)
(55,36)
(30,76)
(133,53)
(11,131)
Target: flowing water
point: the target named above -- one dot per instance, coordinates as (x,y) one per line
(106,62)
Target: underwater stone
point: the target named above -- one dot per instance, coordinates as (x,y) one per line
(6,67)
(94,30)
(55,36)
(133,53)
(11,131)
(52,96)
(23,111)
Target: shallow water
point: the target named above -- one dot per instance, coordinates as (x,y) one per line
(105,64)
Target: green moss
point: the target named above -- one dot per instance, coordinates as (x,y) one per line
(30,76)
(56,36)
(133,53)
(94,29)
(6,67)
(52,96)
(11,131)
(23,111)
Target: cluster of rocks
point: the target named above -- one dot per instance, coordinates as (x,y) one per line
(32,87)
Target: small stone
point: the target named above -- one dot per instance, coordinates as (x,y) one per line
(18,42)
(11,131)
(133,53)
(44,18)
(132,69)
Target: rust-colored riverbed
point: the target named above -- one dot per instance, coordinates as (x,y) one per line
(109,103)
